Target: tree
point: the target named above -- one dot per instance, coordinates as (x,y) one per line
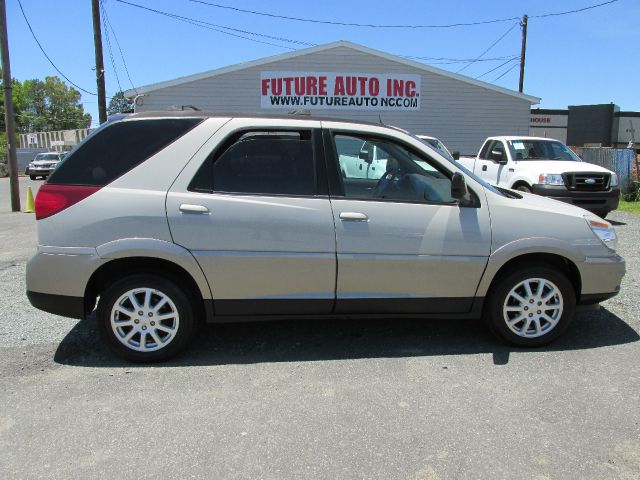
(47,105)
(119,104)
(50,105)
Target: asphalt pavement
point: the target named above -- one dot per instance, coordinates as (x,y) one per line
(381,399)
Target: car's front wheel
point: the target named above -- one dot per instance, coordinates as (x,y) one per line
(145,318)
(531,306)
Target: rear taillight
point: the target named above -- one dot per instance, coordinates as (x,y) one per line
(52,199)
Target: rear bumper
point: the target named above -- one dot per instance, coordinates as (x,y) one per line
(62,305)
(606,201)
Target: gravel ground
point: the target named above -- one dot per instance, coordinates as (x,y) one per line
(339,399)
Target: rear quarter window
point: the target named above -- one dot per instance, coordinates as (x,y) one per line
(118,148)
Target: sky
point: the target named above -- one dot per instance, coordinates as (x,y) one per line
(582,58)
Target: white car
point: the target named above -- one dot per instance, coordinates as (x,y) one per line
(43,164)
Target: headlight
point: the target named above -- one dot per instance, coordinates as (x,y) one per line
(550,179)
(605,232)
(614,180)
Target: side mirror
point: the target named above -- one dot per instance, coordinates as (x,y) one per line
(498,157)
(366,155)
(456,155)
(458,186)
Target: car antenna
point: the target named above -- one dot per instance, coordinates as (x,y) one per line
(381,122)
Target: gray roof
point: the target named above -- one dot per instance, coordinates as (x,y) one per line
(306,51)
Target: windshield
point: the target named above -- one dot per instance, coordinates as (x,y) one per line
(465,170)
(47,156)
(438,145)
(541,150)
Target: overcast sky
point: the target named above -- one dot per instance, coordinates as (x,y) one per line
(581,58)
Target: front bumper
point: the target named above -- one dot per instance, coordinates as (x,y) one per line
(601,278)
(602,201)
(40,171)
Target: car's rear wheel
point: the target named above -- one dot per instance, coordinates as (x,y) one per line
(33,177)
(145,318)
(531,306)
(524,188)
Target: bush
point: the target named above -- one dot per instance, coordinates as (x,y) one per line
(4,171)
(633,195)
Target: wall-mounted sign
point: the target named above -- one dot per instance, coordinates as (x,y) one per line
(339,91)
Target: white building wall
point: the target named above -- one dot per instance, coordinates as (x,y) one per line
(628,130)
(462,115)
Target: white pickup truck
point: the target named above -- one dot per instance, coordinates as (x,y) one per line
(545,167)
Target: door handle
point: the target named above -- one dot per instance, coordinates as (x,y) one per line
(484,168)
(354,217)
(189,208)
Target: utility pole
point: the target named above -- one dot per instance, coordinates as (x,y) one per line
(8,111)
(523,52)
(97,41)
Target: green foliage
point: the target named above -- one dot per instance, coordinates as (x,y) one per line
(633,195)
(47,105)
(119,104)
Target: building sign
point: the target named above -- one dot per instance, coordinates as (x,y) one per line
(339,91)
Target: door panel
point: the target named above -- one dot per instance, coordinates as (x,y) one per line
(262,254)
(411,257)
(405,246)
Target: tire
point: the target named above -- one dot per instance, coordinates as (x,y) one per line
(523,188)
(503,306)
(116,327)
(32,177)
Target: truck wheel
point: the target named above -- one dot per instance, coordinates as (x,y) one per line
(523,188)
(145,318)
(531,306)
(32,177)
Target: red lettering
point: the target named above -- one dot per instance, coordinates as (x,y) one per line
(265,86)
(312,86)
(410,88)
(276,86)
(339,87)
(323,85)
(374,86)
(398,88)
(363,85)
(299,85)
(388,87)
(352,88)
(287,82)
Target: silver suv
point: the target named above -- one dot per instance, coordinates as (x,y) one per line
(160,221)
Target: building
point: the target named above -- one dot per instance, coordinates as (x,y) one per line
(59,140)
(588,126)
(346,80)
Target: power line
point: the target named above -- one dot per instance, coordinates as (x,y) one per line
(47,56)
(465,60)
(347,24)
(106,36)
(496,68)
(557,14)
(461,60)
(222,28)
(508,70)
(106,16)
(371,25)
(488,48)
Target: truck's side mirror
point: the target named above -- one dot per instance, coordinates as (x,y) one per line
(366,155)
(497,156)
(456,155)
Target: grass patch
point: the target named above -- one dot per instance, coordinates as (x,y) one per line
(631,207)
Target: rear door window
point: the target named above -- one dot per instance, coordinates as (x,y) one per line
(118,148)
(261,162)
